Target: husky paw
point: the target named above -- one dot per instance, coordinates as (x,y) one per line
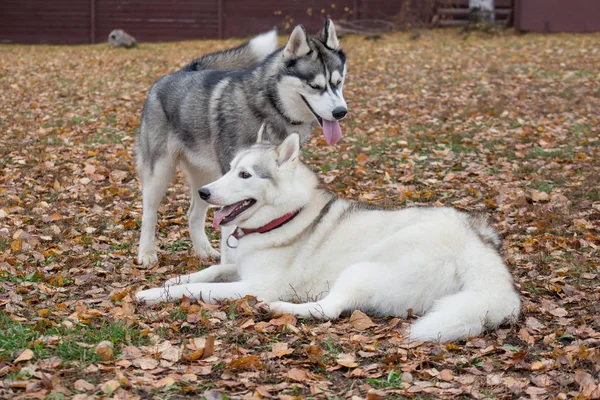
(147,257)
(178,280)
(151,296)
(208,253)
(282,307)
(306,310)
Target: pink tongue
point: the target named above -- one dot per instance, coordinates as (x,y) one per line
(332,131)
(222,213)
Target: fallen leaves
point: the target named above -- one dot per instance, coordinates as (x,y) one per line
(505,125)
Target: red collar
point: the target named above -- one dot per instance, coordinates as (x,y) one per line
(276,223)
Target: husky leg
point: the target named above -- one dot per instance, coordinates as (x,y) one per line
(197,212)
(207,292)
(214,273)
(154,186)
(349,291)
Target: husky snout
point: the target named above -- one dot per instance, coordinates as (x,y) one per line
(339,112)
(204,193)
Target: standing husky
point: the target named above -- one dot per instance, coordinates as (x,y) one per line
(299,242)
(201,116)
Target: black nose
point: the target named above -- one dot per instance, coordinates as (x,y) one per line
(339,113)
(204,193)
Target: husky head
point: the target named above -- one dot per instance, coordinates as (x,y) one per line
(312,79)
(264,183)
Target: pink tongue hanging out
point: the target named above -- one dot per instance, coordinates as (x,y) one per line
(332,131)
(222,213)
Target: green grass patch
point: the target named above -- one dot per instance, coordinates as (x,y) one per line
(75,344)
(391,381)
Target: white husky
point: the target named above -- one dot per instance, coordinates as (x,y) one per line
(299,242)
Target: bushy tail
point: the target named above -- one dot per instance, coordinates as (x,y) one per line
(487,299)
(241,57)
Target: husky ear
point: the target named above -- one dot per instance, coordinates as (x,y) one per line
(289,150)
(328,36)
(297,45)
(259,137)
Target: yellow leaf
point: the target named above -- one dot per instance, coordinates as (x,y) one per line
(537,365)
(247,363)
(44,312)
(16,245)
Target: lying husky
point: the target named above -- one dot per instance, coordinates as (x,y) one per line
(200,117)
(296,240)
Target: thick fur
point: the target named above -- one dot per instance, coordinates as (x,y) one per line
(338,256)
(198,118)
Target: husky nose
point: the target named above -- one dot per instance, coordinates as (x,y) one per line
(204,193)
(339,113)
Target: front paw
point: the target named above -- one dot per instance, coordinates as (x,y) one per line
(151,296)
(178,280)
(147,257)
(207,252)
(281,307)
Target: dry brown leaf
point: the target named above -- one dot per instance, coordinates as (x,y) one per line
(82,385)
(146,363)
(247,363)
(362,159)
(105,350)
(285,319)
(314,353)
(446,375)
(281,349)
(347,360)
(361,321)
(537,365)
(171,354)
(163,382)
(298,375)
(24,355)
(209,346)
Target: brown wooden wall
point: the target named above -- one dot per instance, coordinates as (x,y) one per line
(45,21)
(90,21)
(557,15)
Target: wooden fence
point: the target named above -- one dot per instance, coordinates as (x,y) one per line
(90,21)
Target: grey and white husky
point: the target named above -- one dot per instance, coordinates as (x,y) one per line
(300,242)
(198,118)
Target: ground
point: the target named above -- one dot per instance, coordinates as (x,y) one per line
(506,124)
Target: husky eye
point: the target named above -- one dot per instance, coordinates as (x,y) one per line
(338,83)
(244,175)
(316,87)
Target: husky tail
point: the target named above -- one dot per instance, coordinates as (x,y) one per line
(238,58)
(486,300)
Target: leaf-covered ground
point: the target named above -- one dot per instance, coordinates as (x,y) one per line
(508,125)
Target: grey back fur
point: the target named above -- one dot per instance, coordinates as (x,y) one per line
(215,113)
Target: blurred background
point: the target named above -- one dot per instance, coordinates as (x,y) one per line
(90,21)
